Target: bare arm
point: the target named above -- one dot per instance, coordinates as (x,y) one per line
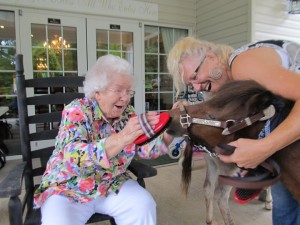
(264,66)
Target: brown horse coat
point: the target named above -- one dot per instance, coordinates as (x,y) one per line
(234,101)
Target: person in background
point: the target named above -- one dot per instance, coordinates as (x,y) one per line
(275,64)
(86,173)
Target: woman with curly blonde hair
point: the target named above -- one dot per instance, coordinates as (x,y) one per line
(275,64)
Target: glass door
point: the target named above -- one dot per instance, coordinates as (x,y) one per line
(9,130)
(159,88)
(117,38)
(52,46)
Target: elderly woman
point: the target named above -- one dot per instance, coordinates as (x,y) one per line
(206,66)
(86,173)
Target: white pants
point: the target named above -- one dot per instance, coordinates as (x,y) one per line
(133,205)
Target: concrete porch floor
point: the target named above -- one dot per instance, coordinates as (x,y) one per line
(173,208)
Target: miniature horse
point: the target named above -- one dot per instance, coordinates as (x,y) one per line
(234,102)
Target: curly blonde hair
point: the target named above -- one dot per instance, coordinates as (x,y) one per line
(189,46)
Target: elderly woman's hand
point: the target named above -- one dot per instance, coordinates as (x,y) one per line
(133,129)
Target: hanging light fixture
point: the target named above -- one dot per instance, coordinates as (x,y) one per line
(57,44)
(294,6)
(41,63)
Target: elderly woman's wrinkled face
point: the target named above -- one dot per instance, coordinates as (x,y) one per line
(114,99)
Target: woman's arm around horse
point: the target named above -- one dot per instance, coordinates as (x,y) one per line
(264,66)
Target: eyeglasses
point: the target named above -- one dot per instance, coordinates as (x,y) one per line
(129,93)
(195,73)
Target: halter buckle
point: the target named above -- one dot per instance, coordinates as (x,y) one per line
(229,123)
(268,112)
(185,120)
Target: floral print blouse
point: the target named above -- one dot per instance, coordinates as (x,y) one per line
(78,167)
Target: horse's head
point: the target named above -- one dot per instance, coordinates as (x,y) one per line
(226,116)
(212,120)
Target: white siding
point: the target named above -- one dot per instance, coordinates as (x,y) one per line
(224,21)
(272,21)
(177,12)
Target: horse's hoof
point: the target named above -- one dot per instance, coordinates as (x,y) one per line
(268,205)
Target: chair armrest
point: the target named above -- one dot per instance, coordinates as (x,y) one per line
(11,185)
(141,170)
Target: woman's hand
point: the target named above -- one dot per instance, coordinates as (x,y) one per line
(133,129)
(117,142)
(249,153)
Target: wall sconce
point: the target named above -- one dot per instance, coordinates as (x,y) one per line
(294,6)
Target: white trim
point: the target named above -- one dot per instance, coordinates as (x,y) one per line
(123,8)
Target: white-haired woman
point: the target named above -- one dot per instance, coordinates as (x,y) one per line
(275,64)
(95,144)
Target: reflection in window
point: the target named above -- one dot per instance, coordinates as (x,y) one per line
(9,130)
(54,50)
(159,88)
(54,54)
(7,62)
(118,43)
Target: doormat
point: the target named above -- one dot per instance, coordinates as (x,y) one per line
(162,160)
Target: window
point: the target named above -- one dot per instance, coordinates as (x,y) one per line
(119,43)
(9,130)
(54,53)
(159,88)
(7,64)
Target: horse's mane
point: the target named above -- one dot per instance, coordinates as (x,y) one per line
(240,91)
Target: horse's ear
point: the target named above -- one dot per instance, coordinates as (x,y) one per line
(261,101)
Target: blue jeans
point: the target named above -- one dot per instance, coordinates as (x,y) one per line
(286,210)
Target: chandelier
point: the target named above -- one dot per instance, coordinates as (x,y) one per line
(41,63)
(57,44)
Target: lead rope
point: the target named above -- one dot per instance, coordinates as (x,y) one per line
(202,148)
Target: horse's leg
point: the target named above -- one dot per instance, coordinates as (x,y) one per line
(268,201)
(223,194)
(266,197)
(209,187)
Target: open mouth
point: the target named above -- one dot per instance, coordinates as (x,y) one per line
(207,86)
(119,106)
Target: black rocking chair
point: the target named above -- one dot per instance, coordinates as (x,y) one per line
(66,89)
